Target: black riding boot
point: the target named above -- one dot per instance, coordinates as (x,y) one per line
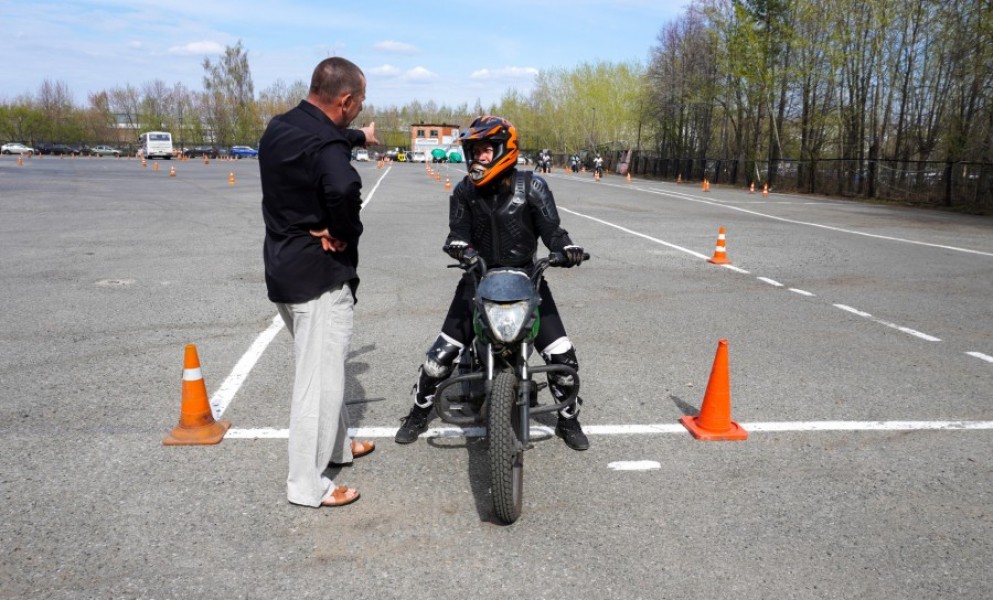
(561,386)
(416,422)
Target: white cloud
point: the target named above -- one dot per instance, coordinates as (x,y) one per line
(394,46)
(419,74)
(504,73)
(385,71)
(198,48)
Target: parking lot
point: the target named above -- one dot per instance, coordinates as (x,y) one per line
(861,362)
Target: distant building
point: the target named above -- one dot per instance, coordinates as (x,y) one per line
(425,137)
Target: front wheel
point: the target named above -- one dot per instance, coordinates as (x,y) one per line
(506,453)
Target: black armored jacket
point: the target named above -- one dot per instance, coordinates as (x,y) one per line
(504,220)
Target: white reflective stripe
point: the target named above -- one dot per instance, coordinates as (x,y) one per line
(558,346)
(192,374)
(451,341)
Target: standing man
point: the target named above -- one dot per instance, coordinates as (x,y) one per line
(311,198)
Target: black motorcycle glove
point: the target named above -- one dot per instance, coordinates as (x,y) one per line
(456,249)
(573,256)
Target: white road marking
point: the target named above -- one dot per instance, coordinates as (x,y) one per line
(223,396)
(802,292)
(981,356)
(913,332)
(645,429)
(693,198)
(633,465)
(906,330)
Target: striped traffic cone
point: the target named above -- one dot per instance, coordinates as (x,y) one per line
(720,254)
(196,421)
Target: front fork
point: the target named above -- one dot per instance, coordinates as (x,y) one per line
(524,389)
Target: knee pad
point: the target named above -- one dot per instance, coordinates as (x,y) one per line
(441,357)
(559,384)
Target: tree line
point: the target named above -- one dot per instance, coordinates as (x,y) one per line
(889,99)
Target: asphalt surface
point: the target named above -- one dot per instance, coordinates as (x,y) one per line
(836,313)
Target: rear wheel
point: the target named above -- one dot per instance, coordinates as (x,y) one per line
(506,453)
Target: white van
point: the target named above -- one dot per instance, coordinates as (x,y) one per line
(155,144)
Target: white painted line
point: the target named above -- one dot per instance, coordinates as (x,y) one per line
(852,310)
(223,396)
(375,187)
(646,429)
(802,292)
(913,332)
(736,269)
(691,197)
(981,356)
(633,465)
(633,232)
(770,281)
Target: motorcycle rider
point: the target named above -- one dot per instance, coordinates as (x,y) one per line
(500,212)
(545,162)
(598,166)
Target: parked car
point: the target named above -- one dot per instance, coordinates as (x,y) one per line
(418,156)
(17,148)
(244,152)
(56,149)
(362,154)
(105,151)
(201,151)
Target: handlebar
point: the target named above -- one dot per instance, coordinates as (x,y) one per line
(471,260)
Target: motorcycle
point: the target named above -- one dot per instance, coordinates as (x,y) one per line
(506,319)
(598,168)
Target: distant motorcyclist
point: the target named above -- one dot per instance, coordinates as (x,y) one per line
(545,161)
(500,212)
(598,166)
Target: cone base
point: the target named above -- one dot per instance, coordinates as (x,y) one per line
(735,433)
(197,436)
(719,260)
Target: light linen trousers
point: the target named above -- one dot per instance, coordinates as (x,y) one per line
(322,333)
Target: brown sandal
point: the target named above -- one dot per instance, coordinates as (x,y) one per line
(358,449)
(362,448)
(341,496)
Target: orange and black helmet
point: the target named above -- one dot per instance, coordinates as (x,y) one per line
(502,135)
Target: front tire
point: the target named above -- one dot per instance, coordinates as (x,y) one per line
(506,453)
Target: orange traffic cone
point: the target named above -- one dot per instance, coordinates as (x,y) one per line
(231,178)
(706,185)
(751,188)
(720,254)
(196,421)
(206,159)
(679,178)
(143,163)
(629,177)
(172,171)
(448,183)
(714,421)
(155,166)
(765,190)
(20,160)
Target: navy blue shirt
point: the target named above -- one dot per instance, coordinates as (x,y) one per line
(308,183)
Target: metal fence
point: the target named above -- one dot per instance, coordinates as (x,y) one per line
(965,186)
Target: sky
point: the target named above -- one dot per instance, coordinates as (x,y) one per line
(447,52)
